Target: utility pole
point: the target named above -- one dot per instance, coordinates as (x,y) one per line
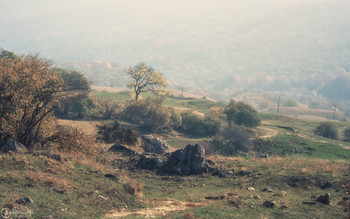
(182,92)
(278,105)
(335,107)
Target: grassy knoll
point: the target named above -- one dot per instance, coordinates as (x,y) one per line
(76,188)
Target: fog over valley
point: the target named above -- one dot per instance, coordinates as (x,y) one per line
(221,49)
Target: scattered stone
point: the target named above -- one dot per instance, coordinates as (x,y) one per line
(324,199)
(283,193)
(221,197)
(59,191)
(309,203)
(11,145)
(122,148)
(155,145)
(219,171)
(283,207)
(327,185)
(149,162)
(102,197)
(268,189)
(189,160)
(24,201)
(256,197)
(111,176)
(264,156)
(244,173)
(269,204)
(251,189)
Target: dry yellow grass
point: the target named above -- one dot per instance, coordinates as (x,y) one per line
(89,127)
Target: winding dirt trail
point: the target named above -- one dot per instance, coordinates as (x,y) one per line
(164,207)
(270,132)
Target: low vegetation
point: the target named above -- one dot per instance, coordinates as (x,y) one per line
(327,130)
(68,173)
(115,133)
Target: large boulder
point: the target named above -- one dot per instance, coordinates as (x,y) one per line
(11,145)
(149,162)
(155,145)
(190,160)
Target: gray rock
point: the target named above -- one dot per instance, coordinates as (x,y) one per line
(155,145)
(11,145)
(257,197)
(309,203)
(269,204)
(324,199)
(268,189)
(149,162)
(24,201)
(190,160)
(264,156)
(327,185)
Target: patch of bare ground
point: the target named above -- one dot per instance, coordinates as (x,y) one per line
(89,127)
(269,132)
(162,208)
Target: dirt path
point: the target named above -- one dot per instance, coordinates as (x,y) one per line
(270,132)
(164,207)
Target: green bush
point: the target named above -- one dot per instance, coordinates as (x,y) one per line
(151,115)
(114,133)
(327,130)
(209,124)
(346,134)
(77,104)
(242,114)
(231,140)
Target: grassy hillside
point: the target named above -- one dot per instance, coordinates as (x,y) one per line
(76,188)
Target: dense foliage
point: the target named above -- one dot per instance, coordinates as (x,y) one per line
(151,115)
(115,133)
(29,92)
(242,114)
(231,140)
(77,104)
(209,124)
(328,130)
(346,134)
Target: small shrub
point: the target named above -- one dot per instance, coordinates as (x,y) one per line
(114,133)
(203,125)
(242,114)
(231,140)
(151,115)
(71,140)
(327,130)
(346,135)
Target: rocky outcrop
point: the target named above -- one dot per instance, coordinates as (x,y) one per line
(149,162)
(11,145)
(155,145)
(190,160)
(269,204)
